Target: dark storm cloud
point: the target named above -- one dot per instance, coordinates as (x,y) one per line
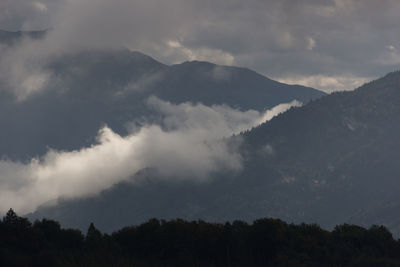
(331,44)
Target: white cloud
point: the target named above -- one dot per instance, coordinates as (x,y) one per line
(144,82)
(278,110)
(221,74)
(32,84)
(391,48)
(285,40)
(327,84)
(181,53)
(390,57)
(324,11)
(22,68)
(40,6)
(310,43)
(187,144)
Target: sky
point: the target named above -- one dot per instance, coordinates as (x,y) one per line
(326,44)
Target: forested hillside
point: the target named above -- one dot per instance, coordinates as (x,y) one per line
(337,153)
(331,161)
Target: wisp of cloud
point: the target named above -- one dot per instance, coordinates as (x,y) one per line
(188,143)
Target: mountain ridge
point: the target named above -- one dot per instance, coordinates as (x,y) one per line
(328,162)
(87,90)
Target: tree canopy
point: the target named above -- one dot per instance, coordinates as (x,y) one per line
(265,242)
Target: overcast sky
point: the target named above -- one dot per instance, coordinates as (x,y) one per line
(327,44)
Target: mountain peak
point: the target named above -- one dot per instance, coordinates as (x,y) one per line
(11,37)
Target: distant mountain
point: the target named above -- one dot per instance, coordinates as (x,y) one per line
(89,89)
(237,87)
(334,160)
(11,38)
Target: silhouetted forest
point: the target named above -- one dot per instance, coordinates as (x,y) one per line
(266,242)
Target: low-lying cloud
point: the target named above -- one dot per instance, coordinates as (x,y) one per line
(188,143)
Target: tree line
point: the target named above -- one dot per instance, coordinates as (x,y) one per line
(265,242)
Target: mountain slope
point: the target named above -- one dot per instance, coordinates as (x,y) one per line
(89,89)
(234,86)
(338,153)
(331,161)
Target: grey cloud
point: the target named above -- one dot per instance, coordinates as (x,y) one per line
(28,15)
(22,68)
(273,37)
(333,39)
(188,143)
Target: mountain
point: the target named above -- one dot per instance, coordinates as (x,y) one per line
(331,161)
(237,87)
(89,89)
(336,156)
(12,38)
